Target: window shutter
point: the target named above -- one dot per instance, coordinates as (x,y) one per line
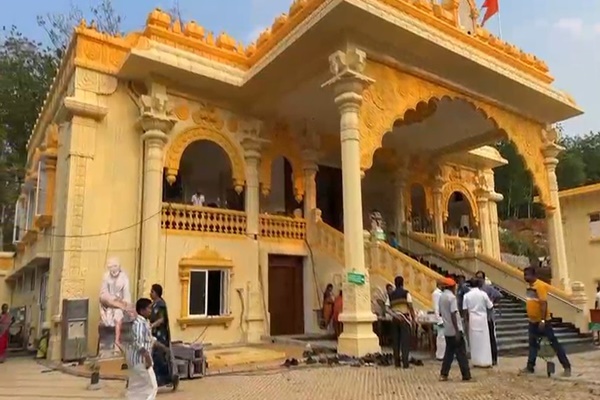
(27,208)
(37,189)
(16,233)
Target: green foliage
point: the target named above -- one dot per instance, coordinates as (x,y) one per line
(516,245)
(26,72)
(579,164)
(59,27)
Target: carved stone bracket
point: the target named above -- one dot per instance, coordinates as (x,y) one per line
(281,143)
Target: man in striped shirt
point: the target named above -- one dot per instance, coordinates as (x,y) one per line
(142,380)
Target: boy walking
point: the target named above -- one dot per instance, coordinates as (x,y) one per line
(142,380)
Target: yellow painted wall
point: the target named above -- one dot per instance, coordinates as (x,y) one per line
(582,252)
(246,275)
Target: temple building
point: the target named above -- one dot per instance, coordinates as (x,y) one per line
(242,178)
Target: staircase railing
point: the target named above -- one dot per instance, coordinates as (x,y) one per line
(508,278)
(381,260)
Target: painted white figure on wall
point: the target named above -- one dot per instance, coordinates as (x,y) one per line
(115,303)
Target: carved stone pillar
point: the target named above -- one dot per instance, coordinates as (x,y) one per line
(310,182)
(579,298)
(155,124)
(495,198)
(348,84)
(485,228)
(438,214)
(556,240)
(252,148)
(400,205)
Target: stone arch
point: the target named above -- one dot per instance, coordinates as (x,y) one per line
(281,144)
(451,187)
(428,196)
(182,140)
(395,92)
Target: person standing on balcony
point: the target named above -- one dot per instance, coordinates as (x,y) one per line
(454,333)
(198,199)
(539,328)
(401,305)
(440,343)
(495,296)
(476,305)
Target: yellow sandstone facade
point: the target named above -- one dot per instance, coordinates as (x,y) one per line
(291,141)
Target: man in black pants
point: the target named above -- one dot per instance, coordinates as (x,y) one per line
(453,331)
(400,303)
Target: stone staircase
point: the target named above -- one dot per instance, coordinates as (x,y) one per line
(512,325)
(420,277)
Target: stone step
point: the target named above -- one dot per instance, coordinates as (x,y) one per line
(511,314)
(524,337)
(567,342)
(510,331)
(511,319)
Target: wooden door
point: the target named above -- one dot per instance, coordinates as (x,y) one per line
(286,295)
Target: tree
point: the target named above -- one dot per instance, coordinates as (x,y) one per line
(59,27)
(514,182)
(571,169)
(26,71)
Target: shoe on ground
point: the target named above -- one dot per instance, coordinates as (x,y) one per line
(567,373)
(443,378)
(526,371)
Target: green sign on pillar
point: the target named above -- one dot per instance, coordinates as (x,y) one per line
(356,278)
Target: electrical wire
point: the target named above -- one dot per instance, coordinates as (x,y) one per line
(122,229)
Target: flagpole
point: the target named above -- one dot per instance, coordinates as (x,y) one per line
(499,25)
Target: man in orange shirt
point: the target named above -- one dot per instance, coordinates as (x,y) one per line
(539,324)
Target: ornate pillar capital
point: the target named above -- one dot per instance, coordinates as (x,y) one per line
(551,152)
(348,82)
(155,115)
(252,146)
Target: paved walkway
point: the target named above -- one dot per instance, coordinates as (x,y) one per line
(22,379)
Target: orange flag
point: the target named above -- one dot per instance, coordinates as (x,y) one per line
(491,9)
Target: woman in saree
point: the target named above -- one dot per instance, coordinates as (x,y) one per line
(328,300)
(159,320)
(338,307)
(6,321)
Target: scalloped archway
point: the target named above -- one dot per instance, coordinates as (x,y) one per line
(182,140)
(452,187)
(394,93)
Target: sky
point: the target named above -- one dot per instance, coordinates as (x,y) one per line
(564,33)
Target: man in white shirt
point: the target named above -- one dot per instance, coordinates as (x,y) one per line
(453,331)
(477,304)
(198,199)
(440,343)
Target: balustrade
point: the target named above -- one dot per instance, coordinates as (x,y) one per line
(455,244)
(281,227)
(181,217)
(188,218)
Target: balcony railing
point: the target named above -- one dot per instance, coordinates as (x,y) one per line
(216,221)
(281,227)
(181,217)
(455,244)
